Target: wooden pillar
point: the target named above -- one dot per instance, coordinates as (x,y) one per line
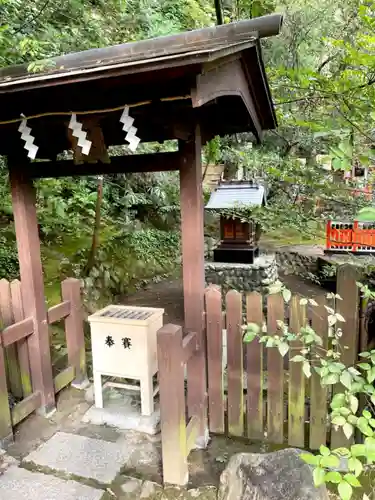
(25,221)
(192,235)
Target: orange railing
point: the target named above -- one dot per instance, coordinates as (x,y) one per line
(354,236)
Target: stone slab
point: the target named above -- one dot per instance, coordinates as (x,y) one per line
(122,409)
(263,261)
(21,484)
(81,456)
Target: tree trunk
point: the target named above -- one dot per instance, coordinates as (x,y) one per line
(96,232)
(219,13)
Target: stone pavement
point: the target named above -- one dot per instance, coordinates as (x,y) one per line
(66,458)
(80,456)
(20,484)
(74,467)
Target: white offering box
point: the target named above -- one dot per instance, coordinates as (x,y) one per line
(123,343)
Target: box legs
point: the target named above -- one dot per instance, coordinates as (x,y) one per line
(147,396)
(98,390)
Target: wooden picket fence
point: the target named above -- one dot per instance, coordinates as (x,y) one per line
(18,355)
(261,395)
(253,391)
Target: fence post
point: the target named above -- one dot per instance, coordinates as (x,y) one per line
(214,322)
(13,372)
(235,363)
(6,430)
(318,393)
(254,368)
(22,345)
(275,374)
(172,405)
(297,382)
(75,336)
(348,307)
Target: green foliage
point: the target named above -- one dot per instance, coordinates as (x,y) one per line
(35,31)
(127,262)
(8,256)
(154,245)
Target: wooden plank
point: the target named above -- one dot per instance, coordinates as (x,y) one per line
(27,234)
(172,405)
(11,356)
(254,370)
(75,336)
(348,307)
(18,331)
(296,397)
(192,433)
(22,346)
(363,346)
(318,393)
(155,162)
(6,431)
(363,334)
(192,243)
(235,364)
(275,374)
(63,378)
(23,409)
(214,325)
(189,346)
(58,312)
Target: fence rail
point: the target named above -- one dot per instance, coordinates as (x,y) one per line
(15,373)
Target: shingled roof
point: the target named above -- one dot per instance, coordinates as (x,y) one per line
(203,44)
(236,194)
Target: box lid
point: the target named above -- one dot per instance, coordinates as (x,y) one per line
(129,315)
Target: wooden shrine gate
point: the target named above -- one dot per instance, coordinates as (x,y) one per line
(18,356)
(252,390)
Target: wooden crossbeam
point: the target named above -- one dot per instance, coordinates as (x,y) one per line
(17,331)
(58,312)
(156,162)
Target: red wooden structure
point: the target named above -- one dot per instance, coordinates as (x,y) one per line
(354,237)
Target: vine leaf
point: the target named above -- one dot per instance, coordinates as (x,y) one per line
(345,490)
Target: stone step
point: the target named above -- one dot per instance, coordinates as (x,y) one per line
(80,456)
(21,484)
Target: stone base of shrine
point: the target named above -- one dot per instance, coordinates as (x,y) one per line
(256,277)
(122,410)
